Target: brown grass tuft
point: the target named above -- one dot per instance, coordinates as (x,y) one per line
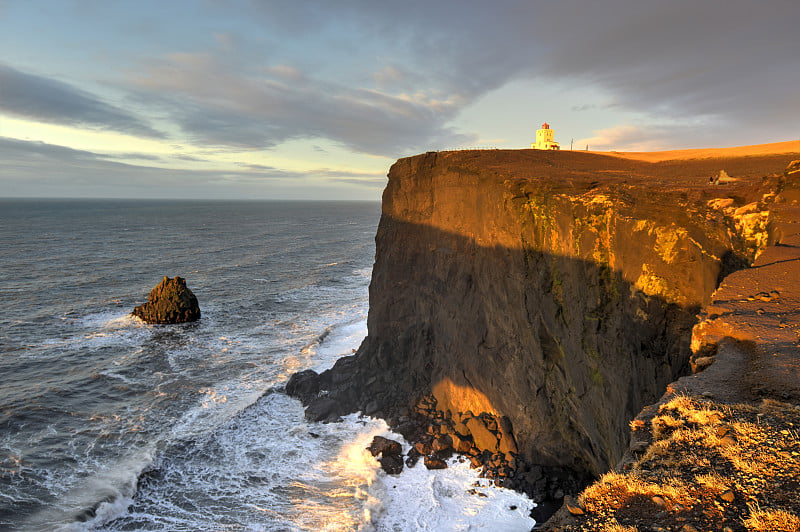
(772,521)
(710,466)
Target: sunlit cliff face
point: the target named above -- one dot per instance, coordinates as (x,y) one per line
(591,207)
(555,288)
(461,398)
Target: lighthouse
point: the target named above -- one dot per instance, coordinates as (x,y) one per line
(544,139)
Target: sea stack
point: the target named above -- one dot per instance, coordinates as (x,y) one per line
(170,301)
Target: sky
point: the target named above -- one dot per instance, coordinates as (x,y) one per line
(315,99)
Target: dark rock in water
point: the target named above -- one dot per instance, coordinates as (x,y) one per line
(391,460)
(391,463)
(432,462)
(385,446)
(303,385)
(413,457)
(170,301)
(323,409)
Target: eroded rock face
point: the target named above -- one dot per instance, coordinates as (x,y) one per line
(170,301)
(550,292)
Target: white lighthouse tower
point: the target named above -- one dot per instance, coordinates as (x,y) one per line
(544,139)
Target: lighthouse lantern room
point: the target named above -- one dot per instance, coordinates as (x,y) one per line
(544,139)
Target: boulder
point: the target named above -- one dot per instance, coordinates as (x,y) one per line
(507,443)
(482,436)
(390,452)
(391,463)
(433,462)
(323,409)
(385,446)
(170,301)
(304,385)
(460,444)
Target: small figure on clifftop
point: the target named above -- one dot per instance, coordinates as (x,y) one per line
(170,301)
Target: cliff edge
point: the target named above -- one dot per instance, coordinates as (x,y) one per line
(720,449)
(551,293)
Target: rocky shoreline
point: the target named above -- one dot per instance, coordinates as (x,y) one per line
(541,410)
(485,440)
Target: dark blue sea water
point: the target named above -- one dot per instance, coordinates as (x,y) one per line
(109,423)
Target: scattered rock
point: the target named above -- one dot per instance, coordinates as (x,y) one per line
(442,443)
(385,446)
(412,458)
(482,436)
(728,496)
(390,454)
(432,462)
(391,463)
(423,447)
(701,363)
(170,301)
(793,168)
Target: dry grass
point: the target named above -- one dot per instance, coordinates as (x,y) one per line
(616,527)
(710,466)
(772,521)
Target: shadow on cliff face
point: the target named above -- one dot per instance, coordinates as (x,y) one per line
(567,349)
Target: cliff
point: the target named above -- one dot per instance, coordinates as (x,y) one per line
(719,450)
(555,291)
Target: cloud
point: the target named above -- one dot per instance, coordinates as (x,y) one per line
(219,105)
(391,78)
(376,183)
(48,100)
(726,62)
(33,168)
(626,138)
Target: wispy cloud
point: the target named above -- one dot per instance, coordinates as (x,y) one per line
(624,138)
(68,171)
(48,100)
(218,105)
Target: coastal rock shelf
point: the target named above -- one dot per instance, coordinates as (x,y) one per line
(556,290)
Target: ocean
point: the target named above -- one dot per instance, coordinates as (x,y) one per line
(108,423)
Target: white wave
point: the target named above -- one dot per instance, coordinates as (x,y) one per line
(343,340)
(426,500)
(92,501)
(110,320)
